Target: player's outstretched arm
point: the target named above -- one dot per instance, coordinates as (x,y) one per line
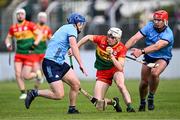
(132,41)
(82,42)
(85,40)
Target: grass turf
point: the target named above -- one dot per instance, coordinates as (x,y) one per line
(167,104)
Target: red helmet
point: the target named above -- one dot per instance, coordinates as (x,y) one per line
(161,14)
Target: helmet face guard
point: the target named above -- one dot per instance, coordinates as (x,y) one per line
(161,15)
(114,32)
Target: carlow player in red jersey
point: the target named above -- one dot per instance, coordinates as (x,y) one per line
(41,48)
(24,32)
(110,58)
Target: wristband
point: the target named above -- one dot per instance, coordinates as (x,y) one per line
(143,51)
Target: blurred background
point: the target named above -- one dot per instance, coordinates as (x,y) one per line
(129,15)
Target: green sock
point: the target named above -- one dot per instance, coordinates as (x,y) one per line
(129,106)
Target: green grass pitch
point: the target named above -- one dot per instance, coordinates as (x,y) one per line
(167,104)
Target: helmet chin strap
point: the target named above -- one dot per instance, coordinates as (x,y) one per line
(78,31)
(20,21)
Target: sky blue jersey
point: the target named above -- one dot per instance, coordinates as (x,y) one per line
(59,43)
(152,36)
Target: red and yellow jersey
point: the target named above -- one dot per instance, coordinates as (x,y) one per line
(24,35)
(47,33)
(103,60)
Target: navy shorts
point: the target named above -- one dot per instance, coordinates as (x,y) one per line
(149,59)
(54,71)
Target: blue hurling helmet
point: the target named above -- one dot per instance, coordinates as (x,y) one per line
(74,18)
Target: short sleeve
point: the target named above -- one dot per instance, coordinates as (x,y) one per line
(33,26)
(72,32)
(167,36)
(99,39)
(123,52)
(144,31)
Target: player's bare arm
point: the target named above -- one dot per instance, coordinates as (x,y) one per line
(85,40)
(155,47)
(8,42)
(39,36)
(132,41)
(152,48)
(75,52)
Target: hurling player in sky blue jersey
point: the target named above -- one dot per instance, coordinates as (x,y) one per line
(56,70)
(159,42)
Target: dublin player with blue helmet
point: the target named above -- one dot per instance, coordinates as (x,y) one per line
(159,42)
(55,69)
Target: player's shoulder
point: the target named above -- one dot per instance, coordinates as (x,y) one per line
(168,29)
(100,37)
(30,23)
(46,27)
(122,45)
(67,26)
(13,26)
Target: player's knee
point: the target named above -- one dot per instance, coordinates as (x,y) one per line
(76,85)
(18,75)
(59,96)
(26,76)
(144,82)
(155,74)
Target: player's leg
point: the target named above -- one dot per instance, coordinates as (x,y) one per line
(71,79)
(143,86)
(54,73)
(28,62)
(154,81)
(56,93)
(119,80)
(38,69)
(27,72)
(39,79)
(100,89)
(19,79)
(104,80)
